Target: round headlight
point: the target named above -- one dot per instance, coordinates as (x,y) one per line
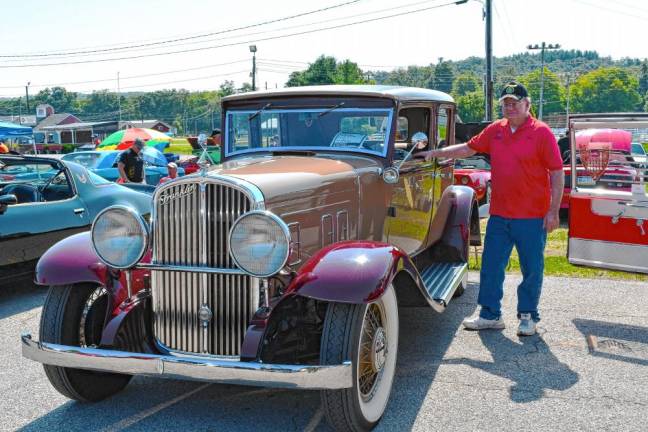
(259,243)
(119,236)
(465,180)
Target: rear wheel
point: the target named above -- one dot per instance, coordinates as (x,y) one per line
(368,336)
(74,315)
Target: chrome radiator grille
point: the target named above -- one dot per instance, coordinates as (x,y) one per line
(192,222)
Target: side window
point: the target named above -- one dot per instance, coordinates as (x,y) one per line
(402,128)
(442,127)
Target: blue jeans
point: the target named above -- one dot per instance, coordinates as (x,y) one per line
(529,238)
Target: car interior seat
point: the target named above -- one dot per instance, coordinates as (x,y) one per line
(24,193)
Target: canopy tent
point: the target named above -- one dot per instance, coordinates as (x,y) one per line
(11,130)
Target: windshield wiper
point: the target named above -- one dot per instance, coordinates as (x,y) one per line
(323,113)
(265,107)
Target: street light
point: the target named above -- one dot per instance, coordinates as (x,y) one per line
(27,95)
(542,49)
(253,50)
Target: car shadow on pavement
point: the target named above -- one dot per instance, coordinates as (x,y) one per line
(615,341)
(20,297)
(528,363)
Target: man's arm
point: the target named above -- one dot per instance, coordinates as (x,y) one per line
(453,151)
(122,171)
(551,219)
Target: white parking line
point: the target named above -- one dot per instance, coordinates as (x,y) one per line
(315,420)
(149,412)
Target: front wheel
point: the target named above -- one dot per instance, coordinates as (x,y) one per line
(368,336)
(74,315)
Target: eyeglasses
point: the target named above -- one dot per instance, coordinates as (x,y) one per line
(511,104)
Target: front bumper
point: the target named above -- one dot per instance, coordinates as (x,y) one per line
(194,368)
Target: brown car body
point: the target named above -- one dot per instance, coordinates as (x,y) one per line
(364,225)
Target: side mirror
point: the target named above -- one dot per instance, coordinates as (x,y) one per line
(419,141)
(6,200)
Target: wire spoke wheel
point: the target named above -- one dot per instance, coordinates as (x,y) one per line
(368,336)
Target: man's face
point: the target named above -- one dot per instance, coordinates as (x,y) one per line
(513,109)
(136,148)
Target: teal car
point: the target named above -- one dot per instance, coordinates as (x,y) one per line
(44,200)
(104,163)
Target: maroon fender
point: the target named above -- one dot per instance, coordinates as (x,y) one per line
(350,272)
(462,218)
(71,260)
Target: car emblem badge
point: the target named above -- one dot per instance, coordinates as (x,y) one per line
(170,194)
(205,315)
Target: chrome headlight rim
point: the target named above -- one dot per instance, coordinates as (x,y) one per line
(282,225)
(142,225)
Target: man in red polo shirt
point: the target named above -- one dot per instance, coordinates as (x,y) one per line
(527,184)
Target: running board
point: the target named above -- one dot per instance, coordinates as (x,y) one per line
(441,281)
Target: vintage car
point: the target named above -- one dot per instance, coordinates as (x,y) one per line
(284,266)
(608,226)
(474,172)
(44,200)
(104,163)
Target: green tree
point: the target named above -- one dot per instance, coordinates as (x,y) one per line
(643,81)
(605,90)
(471,106)
(60,99)
(443,76)
(348,72)
(553,94)
(465,83)
(326,70)
(227,88)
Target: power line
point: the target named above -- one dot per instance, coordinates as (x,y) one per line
(235,43)
(182,38)
(130,77)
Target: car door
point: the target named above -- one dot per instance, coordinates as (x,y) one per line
(27,230)
(413,196)
(608,225)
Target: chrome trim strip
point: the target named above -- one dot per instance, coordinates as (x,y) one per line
(208,270)
(202,222)
(190,367)
(608,255)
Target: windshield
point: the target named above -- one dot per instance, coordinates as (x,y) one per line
(88,160)
(475,163)
(638,149)
(330,128)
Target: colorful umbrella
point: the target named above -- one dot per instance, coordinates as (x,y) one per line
(123,139)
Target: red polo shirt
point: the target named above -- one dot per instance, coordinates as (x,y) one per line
(520,165)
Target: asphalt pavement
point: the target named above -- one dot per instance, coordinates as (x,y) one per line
(586,370)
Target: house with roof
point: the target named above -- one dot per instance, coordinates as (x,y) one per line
(43,132)
(158,125)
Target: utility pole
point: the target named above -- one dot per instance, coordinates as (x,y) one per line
(567,104)
(488,87)
(542,49)
(253,50)
(27,95)
(118,101)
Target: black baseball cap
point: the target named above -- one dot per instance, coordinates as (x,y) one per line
(514,90)
(138,143)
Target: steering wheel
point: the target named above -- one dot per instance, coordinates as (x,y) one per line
(52,181)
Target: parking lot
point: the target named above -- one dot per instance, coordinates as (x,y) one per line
(586,370)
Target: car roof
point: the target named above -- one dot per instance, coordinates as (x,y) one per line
(382,91)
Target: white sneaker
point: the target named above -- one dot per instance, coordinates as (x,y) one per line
(478,323)
(527,326)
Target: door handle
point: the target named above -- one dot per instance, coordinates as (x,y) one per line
(78,211)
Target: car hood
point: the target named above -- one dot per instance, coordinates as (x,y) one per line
(289,177)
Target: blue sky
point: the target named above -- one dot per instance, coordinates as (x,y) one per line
(613,28)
